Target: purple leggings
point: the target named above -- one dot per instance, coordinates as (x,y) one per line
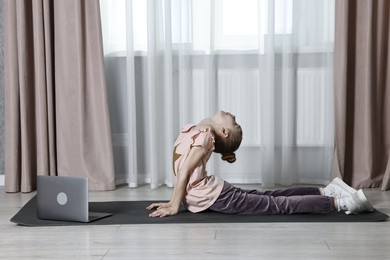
(288,201)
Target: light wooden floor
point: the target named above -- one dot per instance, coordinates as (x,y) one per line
(192,241)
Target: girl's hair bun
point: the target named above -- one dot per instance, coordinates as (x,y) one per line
(230,157)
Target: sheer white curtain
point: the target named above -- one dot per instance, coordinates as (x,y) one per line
(173,62)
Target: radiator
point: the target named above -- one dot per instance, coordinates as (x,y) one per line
(313,106)
(239,91)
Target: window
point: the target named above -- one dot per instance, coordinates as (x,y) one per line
(116,27)
(228,25)
(243,25)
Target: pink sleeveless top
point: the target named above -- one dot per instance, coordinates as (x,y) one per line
(201,190)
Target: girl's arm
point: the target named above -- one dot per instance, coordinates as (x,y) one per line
(165,209)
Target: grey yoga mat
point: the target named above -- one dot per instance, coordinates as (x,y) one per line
(134,212)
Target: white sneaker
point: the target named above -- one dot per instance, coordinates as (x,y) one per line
(338,188)
(357,203)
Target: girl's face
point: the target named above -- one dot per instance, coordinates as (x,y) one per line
(227,120)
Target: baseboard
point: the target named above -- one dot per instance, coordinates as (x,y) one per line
(2,180)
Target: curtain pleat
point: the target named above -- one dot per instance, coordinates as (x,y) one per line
(56,107)
(362,93)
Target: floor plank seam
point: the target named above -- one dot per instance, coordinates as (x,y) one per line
(105,254)
(327,245)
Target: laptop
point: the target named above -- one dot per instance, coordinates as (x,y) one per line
(65,198)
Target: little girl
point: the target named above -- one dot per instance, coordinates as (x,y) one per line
(197,191)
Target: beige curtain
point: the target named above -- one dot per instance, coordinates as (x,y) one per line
(56,109)
(362,92)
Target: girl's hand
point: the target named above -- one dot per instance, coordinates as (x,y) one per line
(194,159)
(164,211)
(158,205)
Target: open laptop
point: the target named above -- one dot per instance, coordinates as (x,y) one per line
(65,198)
